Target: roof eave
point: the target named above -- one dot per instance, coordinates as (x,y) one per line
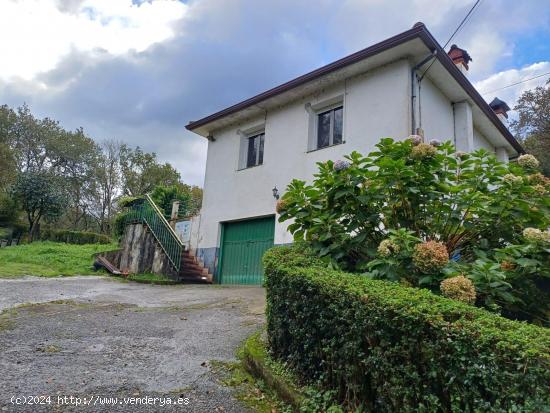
(419,30)
(463,81)
(338,64)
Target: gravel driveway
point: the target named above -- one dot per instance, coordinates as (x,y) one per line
(94,338)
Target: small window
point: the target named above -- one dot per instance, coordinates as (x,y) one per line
(329,127)
(255,150)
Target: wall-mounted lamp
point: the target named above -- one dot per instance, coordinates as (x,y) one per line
(275,192)
(211,138)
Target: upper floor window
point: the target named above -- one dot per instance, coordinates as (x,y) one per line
(329,127)
(255,150)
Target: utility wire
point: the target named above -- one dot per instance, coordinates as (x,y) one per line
(516,83)
(459,27)
(462,23)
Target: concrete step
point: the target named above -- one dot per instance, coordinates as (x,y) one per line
(191,267)
(193,280)
(192,273)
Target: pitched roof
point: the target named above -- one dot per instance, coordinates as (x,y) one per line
(420,31)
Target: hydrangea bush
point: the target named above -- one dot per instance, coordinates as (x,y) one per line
(422,212)
(459,288)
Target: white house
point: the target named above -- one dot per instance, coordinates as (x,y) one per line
(404,85)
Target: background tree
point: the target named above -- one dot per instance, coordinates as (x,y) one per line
(164,196)
(8,210)
(74,157)
(33,140)
(195,194)
(141,172)
(7,157)
(533,124)
(91,176)
(40,195)
(108,184)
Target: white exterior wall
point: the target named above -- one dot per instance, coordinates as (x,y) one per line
(376,104)
(439,122)
(436,113)
(481,142)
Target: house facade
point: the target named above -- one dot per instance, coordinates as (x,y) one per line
(404,85)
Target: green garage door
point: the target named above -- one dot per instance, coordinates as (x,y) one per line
(243,245)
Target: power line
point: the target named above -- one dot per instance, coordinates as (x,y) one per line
(516,83)
(460,26)
(462,23)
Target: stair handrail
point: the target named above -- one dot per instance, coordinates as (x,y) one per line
(161,215)
(162,231)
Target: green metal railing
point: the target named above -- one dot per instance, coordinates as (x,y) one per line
(147,212)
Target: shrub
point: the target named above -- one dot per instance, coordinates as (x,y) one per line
(466,201)
(128,201)
(74,237)
(387,348)
(419,212)
(514,280)
(120,223)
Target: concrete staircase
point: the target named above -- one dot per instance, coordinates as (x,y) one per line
(192,270)
(163,252)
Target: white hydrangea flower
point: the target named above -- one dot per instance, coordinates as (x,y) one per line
(528,161)
(387,247)
(512,179)
(536,235)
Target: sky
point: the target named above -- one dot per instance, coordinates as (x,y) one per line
(139,71)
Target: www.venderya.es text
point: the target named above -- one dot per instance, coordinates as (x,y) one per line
(98,400)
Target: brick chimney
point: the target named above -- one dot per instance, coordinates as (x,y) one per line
(501,109)
(460,58)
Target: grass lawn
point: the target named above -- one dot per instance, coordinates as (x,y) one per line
(49,259)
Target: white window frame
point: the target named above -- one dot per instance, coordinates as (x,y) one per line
(314,111)
(257,154)
(245,135)
(331,130)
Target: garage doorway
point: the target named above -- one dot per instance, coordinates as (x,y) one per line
(243,245)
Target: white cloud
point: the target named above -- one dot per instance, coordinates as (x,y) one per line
(41,33)
(72,60)
(491,86)
(486,48)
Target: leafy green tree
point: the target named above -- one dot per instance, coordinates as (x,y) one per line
(141,172)
(74,158)
(533,123)
(164,196)
(195,193)
(8,210)
(8,164)
(34,141)
(40,195)
(108,182)
(92,176)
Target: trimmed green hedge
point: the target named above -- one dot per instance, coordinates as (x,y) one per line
(388,348)
(74,237)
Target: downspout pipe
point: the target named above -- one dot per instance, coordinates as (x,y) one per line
(413,87)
